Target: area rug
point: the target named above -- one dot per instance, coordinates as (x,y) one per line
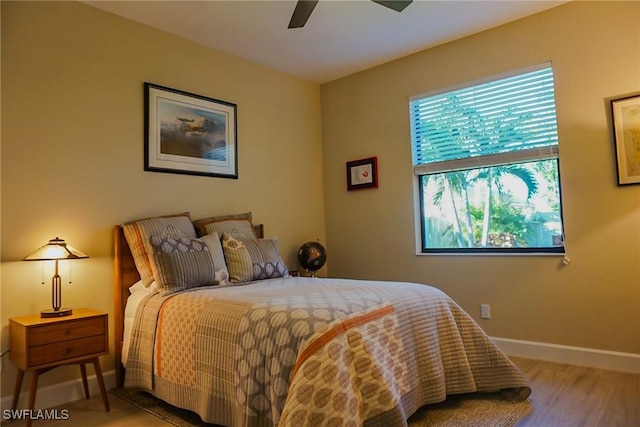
(473,410)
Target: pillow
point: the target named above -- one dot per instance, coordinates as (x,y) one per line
(138,287)
(254,259)
(217,256)
(139,232)
(237,225)
(182,264)
(238,229)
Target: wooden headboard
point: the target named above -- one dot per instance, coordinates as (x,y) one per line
(126,275)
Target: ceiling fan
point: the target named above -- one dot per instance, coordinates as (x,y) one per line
(304,8)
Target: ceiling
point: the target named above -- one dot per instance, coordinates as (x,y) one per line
(340,38)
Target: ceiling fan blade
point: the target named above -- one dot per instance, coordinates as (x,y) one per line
(302,12)
(397,5)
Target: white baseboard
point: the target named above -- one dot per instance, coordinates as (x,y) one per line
(59,394)
(580,356)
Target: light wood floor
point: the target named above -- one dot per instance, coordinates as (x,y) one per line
(567,395)
(563,396)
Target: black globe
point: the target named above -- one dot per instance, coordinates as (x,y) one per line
(312,256)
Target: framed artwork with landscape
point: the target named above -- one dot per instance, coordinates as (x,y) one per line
(189,134)
(625,115)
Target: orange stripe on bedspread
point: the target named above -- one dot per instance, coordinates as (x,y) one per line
(338,329)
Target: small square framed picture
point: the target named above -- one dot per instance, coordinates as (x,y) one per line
(362,174)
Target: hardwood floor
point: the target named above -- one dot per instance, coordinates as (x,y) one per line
(567,395)
(563,396)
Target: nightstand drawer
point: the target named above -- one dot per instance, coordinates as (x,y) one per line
(57,332)
(65,350)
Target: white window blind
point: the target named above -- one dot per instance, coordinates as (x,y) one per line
(504,121)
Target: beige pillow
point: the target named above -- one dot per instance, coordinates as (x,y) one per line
(254,259)
(138,234)
(217,256)
(225,223)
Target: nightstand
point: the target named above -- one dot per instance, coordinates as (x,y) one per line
(41,344)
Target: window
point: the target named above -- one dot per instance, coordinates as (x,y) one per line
(486,159)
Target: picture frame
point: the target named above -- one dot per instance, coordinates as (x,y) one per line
(625,117)
(362,173)
(189,134)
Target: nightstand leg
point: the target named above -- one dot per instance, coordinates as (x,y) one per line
(16,390)
(103,390)
(32,393)
(85,383)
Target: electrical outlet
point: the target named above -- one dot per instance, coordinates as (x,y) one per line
(485,311)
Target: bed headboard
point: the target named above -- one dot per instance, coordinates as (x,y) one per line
(126,275)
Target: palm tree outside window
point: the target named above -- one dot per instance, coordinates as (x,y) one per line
(486,160)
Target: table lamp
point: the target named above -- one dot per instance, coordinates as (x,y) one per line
(55,250)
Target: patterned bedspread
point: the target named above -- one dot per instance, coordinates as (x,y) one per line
(312,352)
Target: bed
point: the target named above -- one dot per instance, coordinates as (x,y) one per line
(303,351)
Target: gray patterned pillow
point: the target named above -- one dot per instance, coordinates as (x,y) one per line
(254,259)
(181,264)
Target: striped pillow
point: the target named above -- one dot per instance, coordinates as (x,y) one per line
(235,224)
(217,255)
(139,232)
(182,264)
(253,259)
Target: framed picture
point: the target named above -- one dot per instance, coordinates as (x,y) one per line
(189,134)
(625,115)
(362,173)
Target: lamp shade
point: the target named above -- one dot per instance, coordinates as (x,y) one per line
(56,249)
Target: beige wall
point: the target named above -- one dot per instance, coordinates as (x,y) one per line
(72,148)
(595,301)
(72,126)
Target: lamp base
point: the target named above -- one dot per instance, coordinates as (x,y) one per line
(56,313)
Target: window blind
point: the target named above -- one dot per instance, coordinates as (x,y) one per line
(507,120)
